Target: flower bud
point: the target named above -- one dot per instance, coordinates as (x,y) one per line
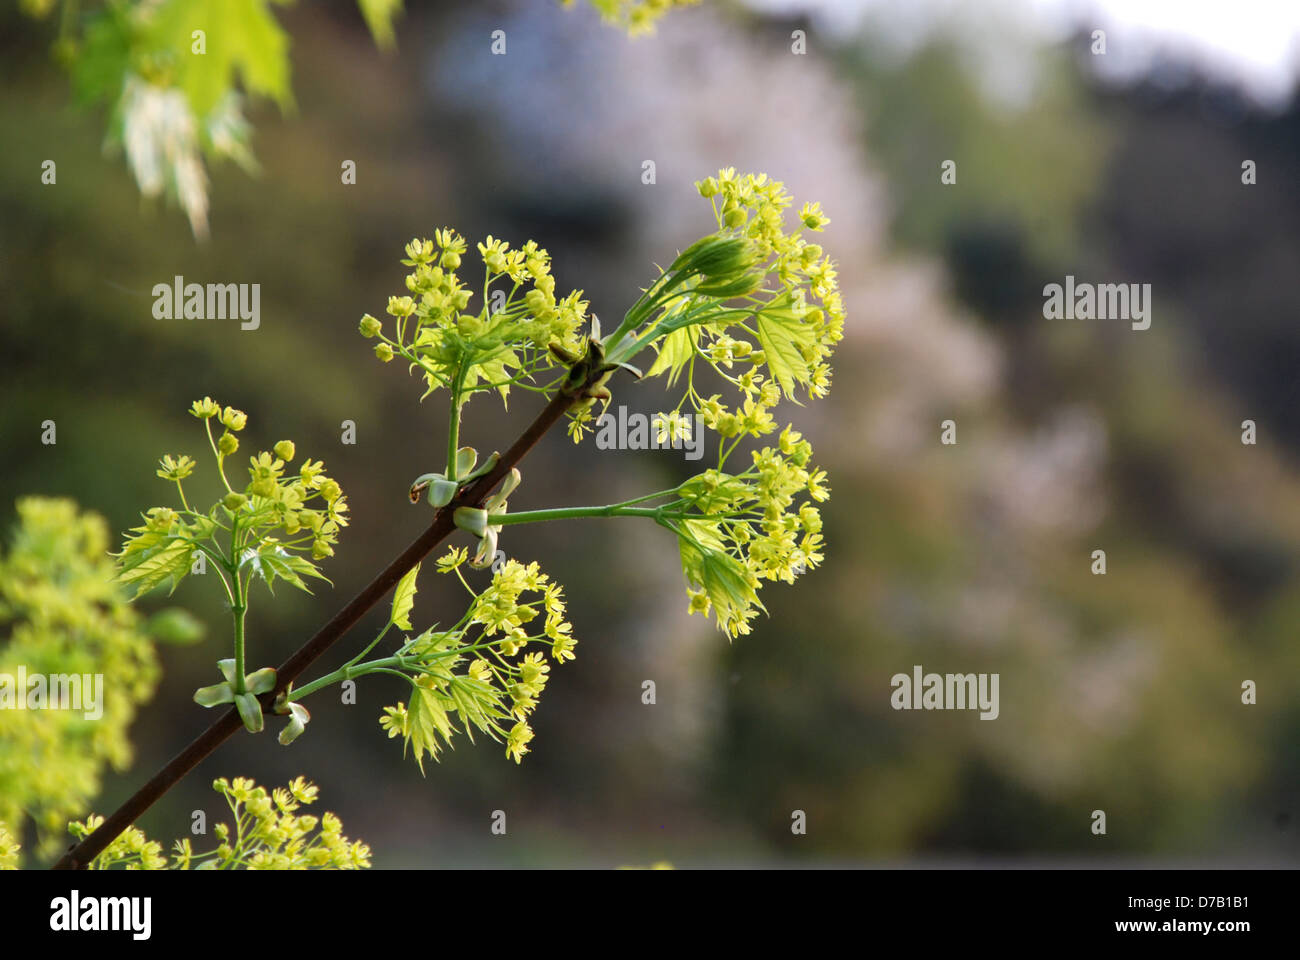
(810,517)
(718,258)
(401,306)
(234,419)
(227,444)
(739,286)
(370,326)
(536,302)
(450,259)
(284,450)
(384,352)
(708,187)
(233,501)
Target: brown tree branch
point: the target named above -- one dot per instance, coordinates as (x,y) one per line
(582,377)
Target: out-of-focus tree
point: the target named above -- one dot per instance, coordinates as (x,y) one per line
(65,618)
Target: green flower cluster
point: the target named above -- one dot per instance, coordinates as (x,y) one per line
(268,834)
(131,850)
(259,530)
(64,615)
(755,303)
(635,16)
(482,668)
(748,527)
(756,306)
(505,343)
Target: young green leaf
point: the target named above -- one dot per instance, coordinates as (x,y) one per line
(784,336)
(404,600)
(171,562)
(426,721)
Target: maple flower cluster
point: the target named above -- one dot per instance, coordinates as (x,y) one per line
(755,306)
(505,343)
(268,834)
(262,528)
(756,303)
(748,527)
(484,669)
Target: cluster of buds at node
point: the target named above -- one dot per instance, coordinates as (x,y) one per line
(250,711)
(475,520)
(589,373)
(442,489)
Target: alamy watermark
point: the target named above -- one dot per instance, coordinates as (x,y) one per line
(55,691)
(75,914)
(1098,301)
(950,691)
(179,300)
(661,431)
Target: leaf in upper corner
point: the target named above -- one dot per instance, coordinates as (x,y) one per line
(241,37)
(379,16)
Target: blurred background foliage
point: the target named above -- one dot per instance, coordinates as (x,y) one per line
(1119,692)
(63,615)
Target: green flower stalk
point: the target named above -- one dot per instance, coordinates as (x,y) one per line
(267,531)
